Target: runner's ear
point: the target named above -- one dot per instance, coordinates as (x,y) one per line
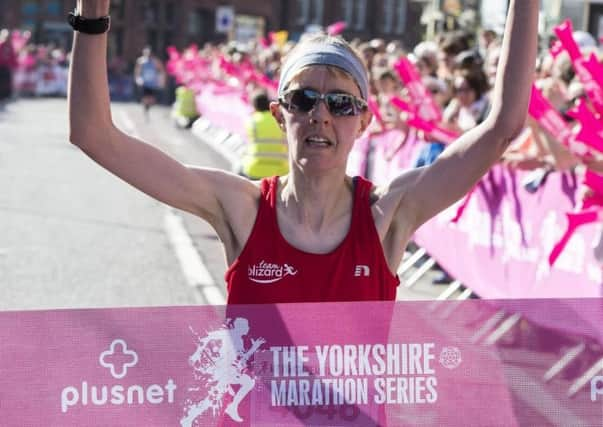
(275,109)
(365,120)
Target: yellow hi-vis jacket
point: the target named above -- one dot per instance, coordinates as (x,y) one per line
(184,106)
(266,149)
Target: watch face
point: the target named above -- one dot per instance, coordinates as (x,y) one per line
(71,19)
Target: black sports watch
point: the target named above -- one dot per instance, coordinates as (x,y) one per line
(89,26)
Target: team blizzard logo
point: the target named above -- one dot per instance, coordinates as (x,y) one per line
(118,359)
(269,273)
(220,364)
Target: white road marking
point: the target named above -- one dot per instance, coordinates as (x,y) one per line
(193,268)
(128,124)
(195,272)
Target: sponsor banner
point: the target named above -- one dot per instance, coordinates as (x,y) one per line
(345,364)
(225,107)
(501,244)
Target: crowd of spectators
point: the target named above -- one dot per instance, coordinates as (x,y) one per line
(457,68)
(29,69)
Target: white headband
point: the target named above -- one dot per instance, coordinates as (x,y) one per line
(332,54)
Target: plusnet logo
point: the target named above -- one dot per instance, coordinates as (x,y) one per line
(596,388)
(118,359)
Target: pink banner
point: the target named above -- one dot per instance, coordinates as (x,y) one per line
(410,364)
(500,246)
(424,104)
(224,107)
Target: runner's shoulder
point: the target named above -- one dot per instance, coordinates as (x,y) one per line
(230,189)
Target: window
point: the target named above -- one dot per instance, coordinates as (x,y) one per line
(200,26)
(395,16)
(354,13)
(117,9)
(116,38)
(169,13)
(168,40)
(318,12)
(150,12)
(388,16)
(401,10)
(54,8)
(360,22)
(303,12)
(194,23)
(348,11)
(152,40)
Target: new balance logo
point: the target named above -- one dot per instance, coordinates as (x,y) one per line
(362,271)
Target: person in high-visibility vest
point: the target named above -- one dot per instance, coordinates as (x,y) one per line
(266,153)
(184,110)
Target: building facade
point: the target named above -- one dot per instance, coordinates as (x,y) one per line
(160,23)
(365,19)
(138,23)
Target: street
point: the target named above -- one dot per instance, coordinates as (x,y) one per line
(74,236)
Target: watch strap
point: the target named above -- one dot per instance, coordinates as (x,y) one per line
(89,26)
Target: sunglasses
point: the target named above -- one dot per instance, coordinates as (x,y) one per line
(338,103)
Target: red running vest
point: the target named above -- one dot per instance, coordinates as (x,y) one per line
(269,270)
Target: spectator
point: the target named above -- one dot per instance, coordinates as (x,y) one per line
(470,104)
(8,62)
(149,75)
(266,149)
(426,58)
(451,44)
(387,85)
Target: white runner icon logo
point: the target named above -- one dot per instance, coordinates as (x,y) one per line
(220,362)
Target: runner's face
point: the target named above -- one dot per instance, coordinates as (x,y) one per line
(319,140)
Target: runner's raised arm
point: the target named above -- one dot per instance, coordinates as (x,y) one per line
(143,166)
(423,193)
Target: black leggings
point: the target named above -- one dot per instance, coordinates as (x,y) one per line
(6,82)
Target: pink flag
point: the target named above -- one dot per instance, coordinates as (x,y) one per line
(374,108)
(336,28)
(434,131)
(556,49)
(594,182)
(565,33)
(463,206)
(589,71)
(549,118)
(265,43)
(575,220)
(585,116)
(424,103)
